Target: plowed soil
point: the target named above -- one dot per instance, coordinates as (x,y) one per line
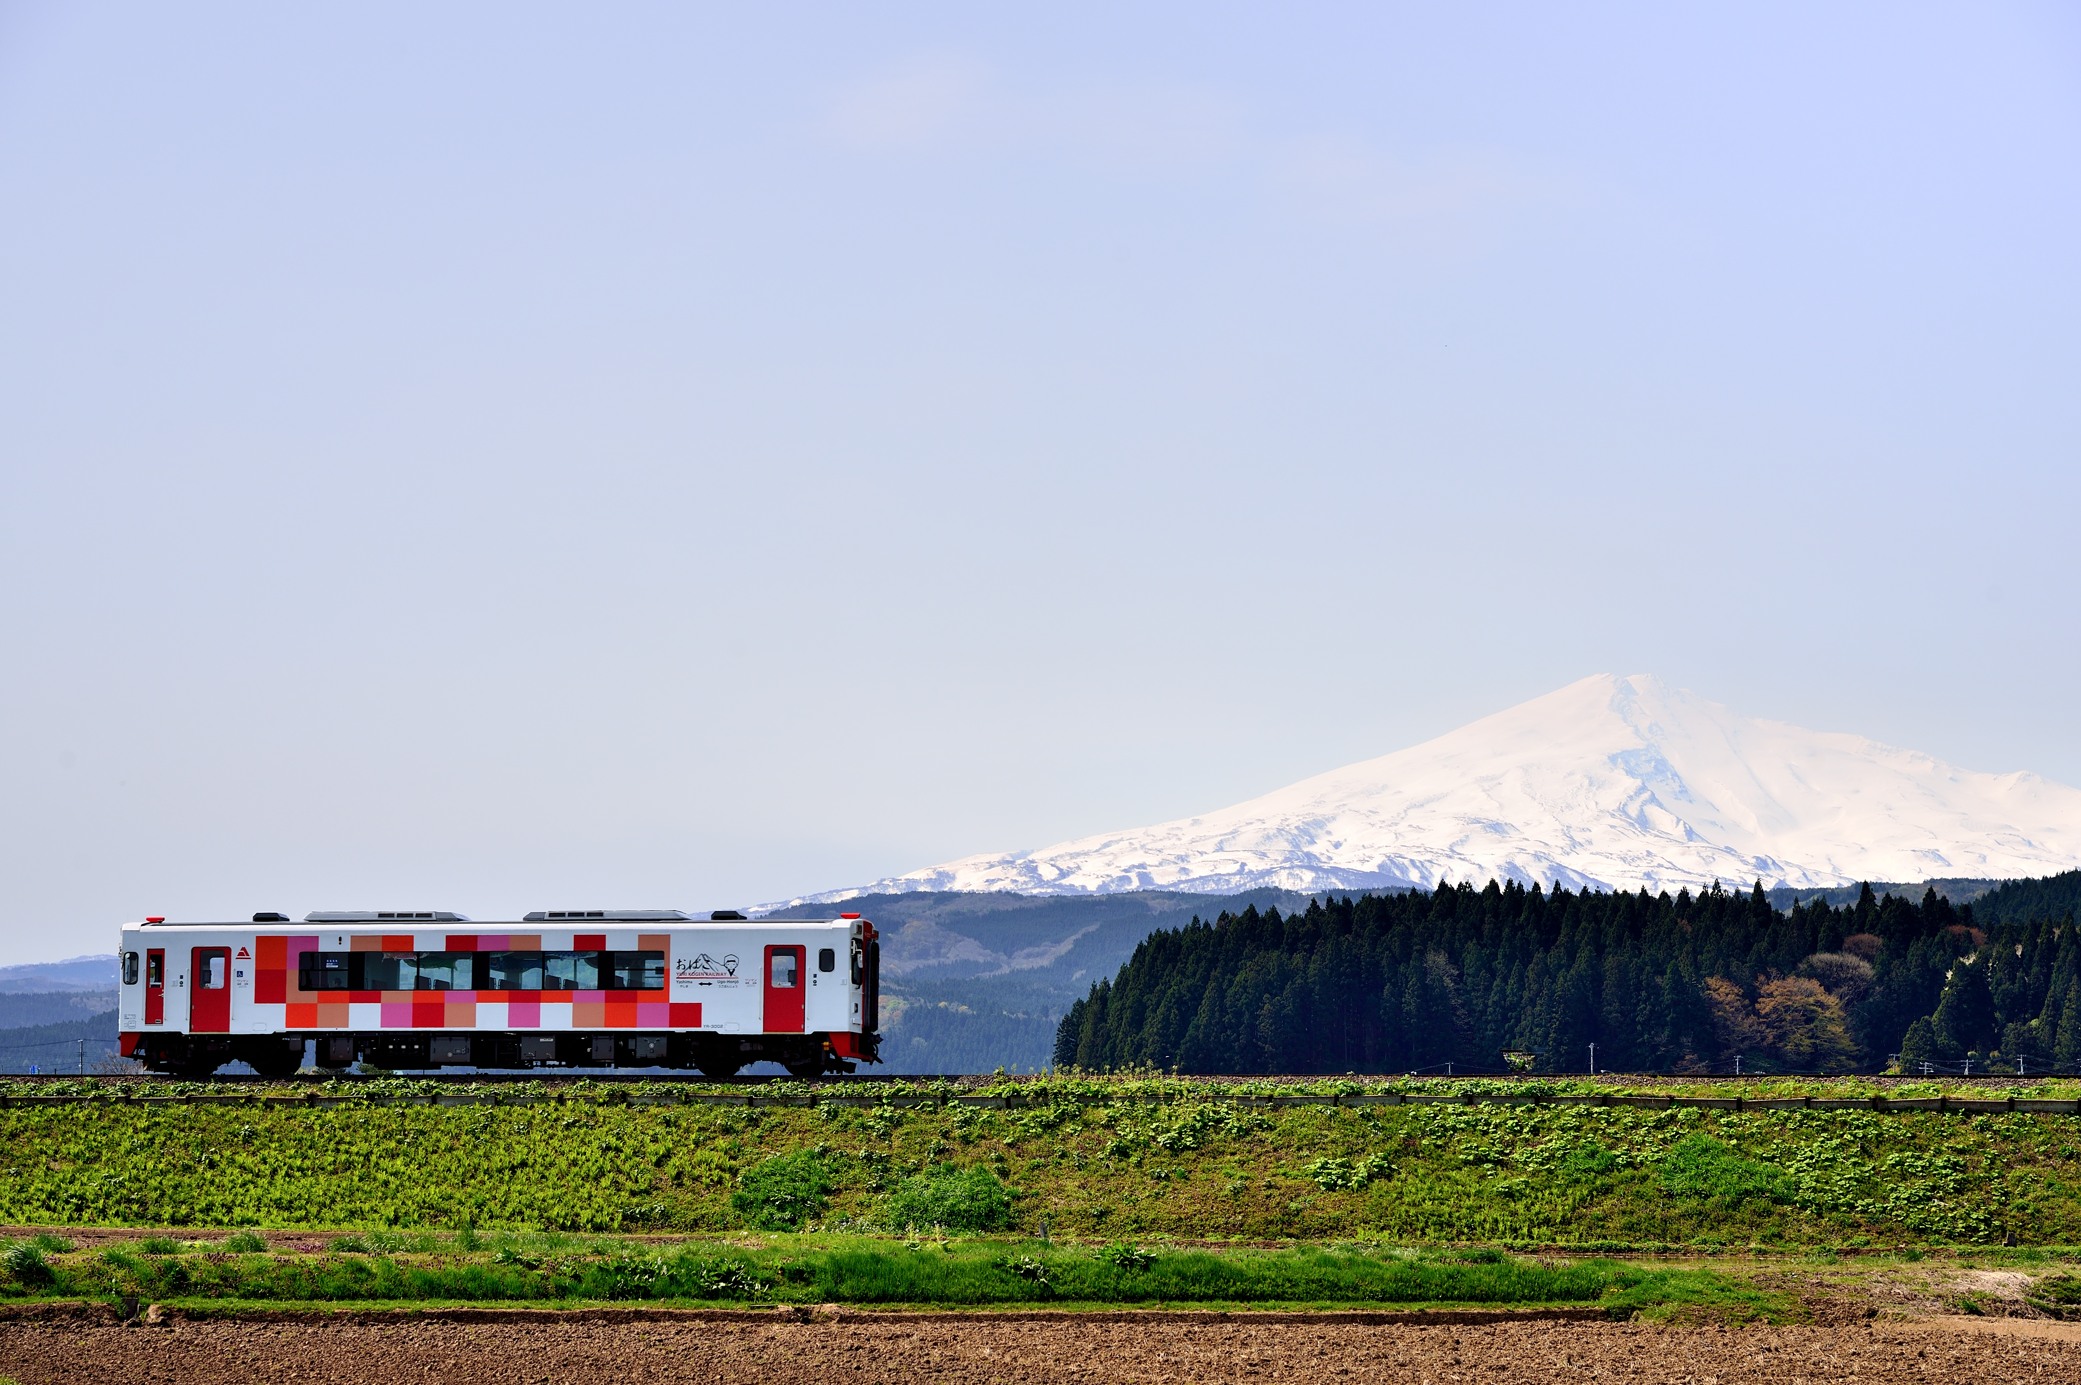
(545,1348)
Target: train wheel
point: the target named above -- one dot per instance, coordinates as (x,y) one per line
(276,1060)
(718,1069)
(806,1069)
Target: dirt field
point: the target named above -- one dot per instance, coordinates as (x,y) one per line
(949,1348)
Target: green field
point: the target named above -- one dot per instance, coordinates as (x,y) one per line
(1152,1159)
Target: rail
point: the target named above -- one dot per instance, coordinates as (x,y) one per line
(132,1093)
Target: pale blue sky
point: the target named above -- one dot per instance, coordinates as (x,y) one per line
(499,457)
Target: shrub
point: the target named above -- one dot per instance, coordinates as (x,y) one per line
(2058,1296)
(2062,1289)
(645,1214)
(781,1193)
(1132,1259)
(634,1276)
(723,1279)
(159,1245)
(1480,1256)
(26,1266)
(972,1199)
(1028,1269)
(1333,1175)
(1699,1166)
(245,1243)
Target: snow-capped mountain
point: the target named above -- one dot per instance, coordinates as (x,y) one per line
(1611,782)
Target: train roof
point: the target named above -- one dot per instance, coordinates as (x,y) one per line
(395,920)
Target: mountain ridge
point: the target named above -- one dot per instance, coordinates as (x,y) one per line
(94,971)
(1608,783)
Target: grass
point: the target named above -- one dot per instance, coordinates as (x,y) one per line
(425,1271)
(965,1273)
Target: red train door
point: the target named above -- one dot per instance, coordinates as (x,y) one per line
(209,993)
(155,985)
(784,990)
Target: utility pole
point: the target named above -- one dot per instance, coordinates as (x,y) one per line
(1593,1060)
(1737,1065)
(82,1057)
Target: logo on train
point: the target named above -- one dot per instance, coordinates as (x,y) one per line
(701,966)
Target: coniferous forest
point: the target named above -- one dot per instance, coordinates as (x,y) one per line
(1513,977)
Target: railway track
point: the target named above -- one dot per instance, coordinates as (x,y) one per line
(524,1089)
(625,1076)
(465,1077)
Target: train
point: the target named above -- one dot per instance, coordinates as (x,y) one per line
(577,988)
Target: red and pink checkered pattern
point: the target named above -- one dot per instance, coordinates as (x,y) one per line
(276,973)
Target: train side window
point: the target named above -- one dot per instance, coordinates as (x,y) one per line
(859,966)
(447,971)
(632,971)
(213,968)
(389,971)
(155,970)
(827,959)
(514,971)
(130,968)
(571,971)
(325,971)
(783,970)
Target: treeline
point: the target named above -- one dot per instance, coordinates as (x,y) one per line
(1510,976)
(68,1045)
(924,1036)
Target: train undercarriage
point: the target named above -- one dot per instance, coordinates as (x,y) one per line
(194,1056)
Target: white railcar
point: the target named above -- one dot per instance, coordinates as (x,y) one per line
(576,988)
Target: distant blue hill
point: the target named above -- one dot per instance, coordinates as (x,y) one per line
(976,980)
(95,972)
(21,1009)
(72,1046)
